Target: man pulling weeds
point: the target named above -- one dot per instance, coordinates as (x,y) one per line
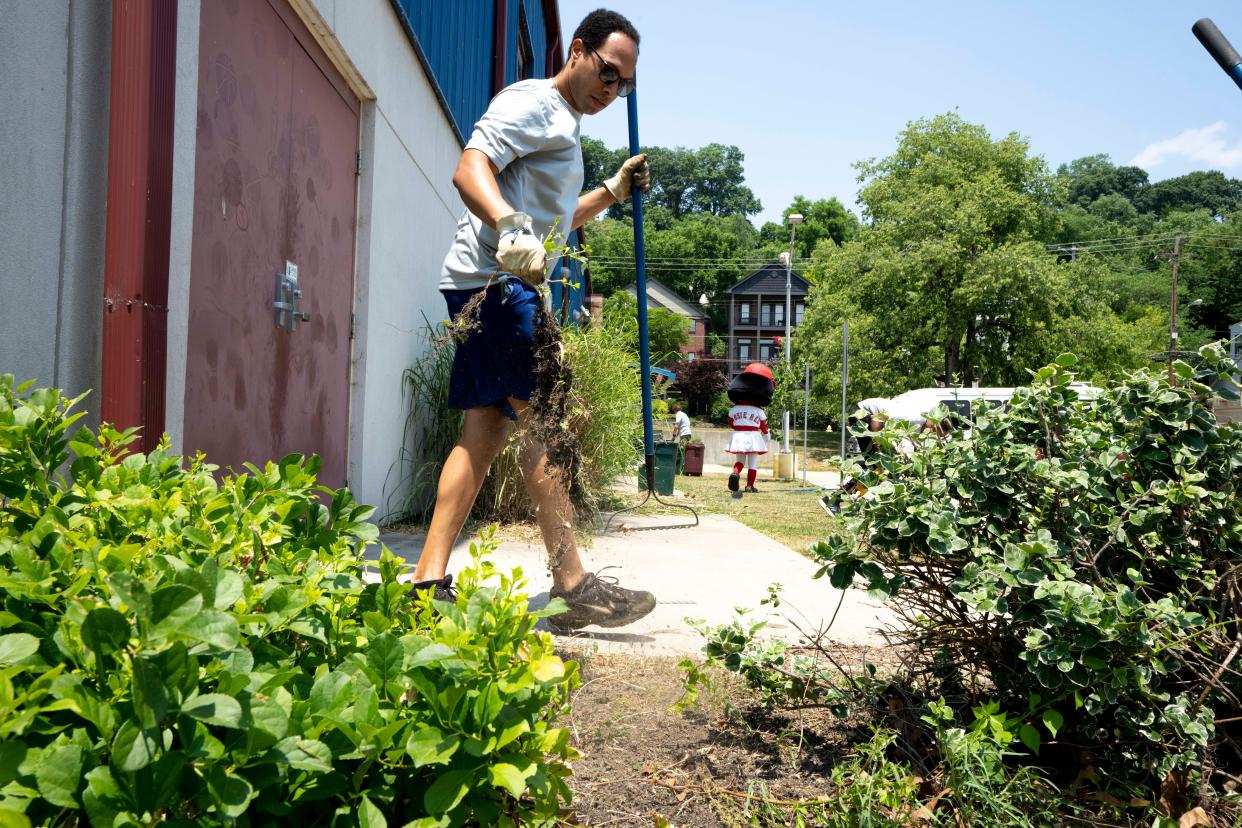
(520,177)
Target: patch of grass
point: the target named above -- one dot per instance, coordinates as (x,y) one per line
(779,510)
(822,447)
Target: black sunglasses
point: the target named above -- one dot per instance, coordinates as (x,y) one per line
(609,75)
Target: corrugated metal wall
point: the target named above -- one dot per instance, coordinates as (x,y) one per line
(456,40)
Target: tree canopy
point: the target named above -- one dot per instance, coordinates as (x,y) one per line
(950,276)
(709,179)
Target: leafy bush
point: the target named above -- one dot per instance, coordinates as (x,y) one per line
(666,330)
(699,381)
(179,650)
(606,403)
(719,411)
(1075,562)
(604,408)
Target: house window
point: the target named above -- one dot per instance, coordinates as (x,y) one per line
(767,349)
(526,52)
(773,315)
(690,328)
(743,313)
(743,350)
(799,309)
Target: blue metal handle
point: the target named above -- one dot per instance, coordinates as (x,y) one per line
(640,287)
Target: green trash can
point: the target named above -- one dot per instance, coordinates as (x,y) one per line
(665,468)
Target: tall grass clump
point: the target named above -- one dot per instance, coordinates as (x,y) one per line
(603,412)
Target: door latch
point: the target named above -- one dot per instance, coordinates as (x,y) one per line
(286,302)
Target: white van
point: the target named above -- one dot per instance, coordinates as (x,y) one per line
(962,401)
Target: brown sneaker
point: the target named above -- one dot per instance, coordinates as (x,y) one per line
(600,602)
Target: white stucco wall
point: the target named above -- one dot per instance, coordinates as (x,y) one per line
(55,64)
(407,212)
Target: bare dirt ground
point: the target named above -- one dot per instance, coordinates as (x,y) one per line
(644,762)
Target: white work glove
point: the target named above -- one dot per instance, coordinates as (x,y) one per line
(520,252)
(634,171)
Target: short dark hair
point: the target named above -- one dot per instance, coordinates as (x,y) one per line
(599,24)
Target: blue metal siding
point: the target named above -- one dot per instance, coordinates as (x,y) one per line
(576,285)
(455,42)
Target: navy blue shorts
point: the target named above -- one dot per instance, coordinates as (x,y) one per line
(497,360)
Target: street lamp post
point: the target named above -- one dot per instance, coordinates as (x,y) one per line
(794,220)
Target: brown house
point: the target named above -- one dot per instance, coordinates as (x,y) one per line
(757,314)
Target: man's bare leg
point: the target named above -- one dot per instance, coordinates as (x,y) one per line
(483,434)
(552,508)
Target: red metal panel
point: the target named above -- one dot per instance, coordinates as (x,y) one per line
(500,41)
(555,57)
(275,181)
(143,81)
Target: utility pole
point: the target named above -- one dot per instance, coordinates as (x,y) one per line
(1176,258)
(845,381)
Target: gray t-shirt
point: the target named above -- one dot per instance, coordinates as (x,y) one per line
(530,132)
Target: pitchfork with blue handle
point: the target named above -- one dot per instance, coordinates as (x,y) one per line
(644,349)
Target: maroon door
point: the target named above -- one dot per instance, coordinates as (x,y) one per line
(274,183)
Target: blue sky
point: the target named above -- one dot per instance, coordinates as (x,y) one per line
(805,89)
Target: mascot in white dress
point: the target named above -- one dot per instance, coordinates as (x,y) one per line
(750,391)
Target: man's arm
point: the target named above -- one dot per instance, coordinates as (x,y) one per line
(518,250)
(475,179)
(633,173)
(591,205)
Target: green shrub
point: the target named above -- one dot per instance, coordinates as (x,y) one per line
(606,402)
(1075,562)
(431,428)
(605,414)
(179,650)
(719,411)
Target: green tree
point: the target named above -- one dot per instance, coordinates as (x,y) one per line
(1211,272)
(824,218)
(666,331)
(949,253)
(950,276)
(598,163)
(695,255)
(710,179)
(1198,190)
(717,173)
(1087,179)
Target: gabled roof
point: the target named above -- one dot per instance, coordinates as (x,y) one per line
(663,296)
(771,279)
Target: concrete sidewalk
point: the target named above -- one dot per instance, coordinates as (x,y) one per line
(701,572)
